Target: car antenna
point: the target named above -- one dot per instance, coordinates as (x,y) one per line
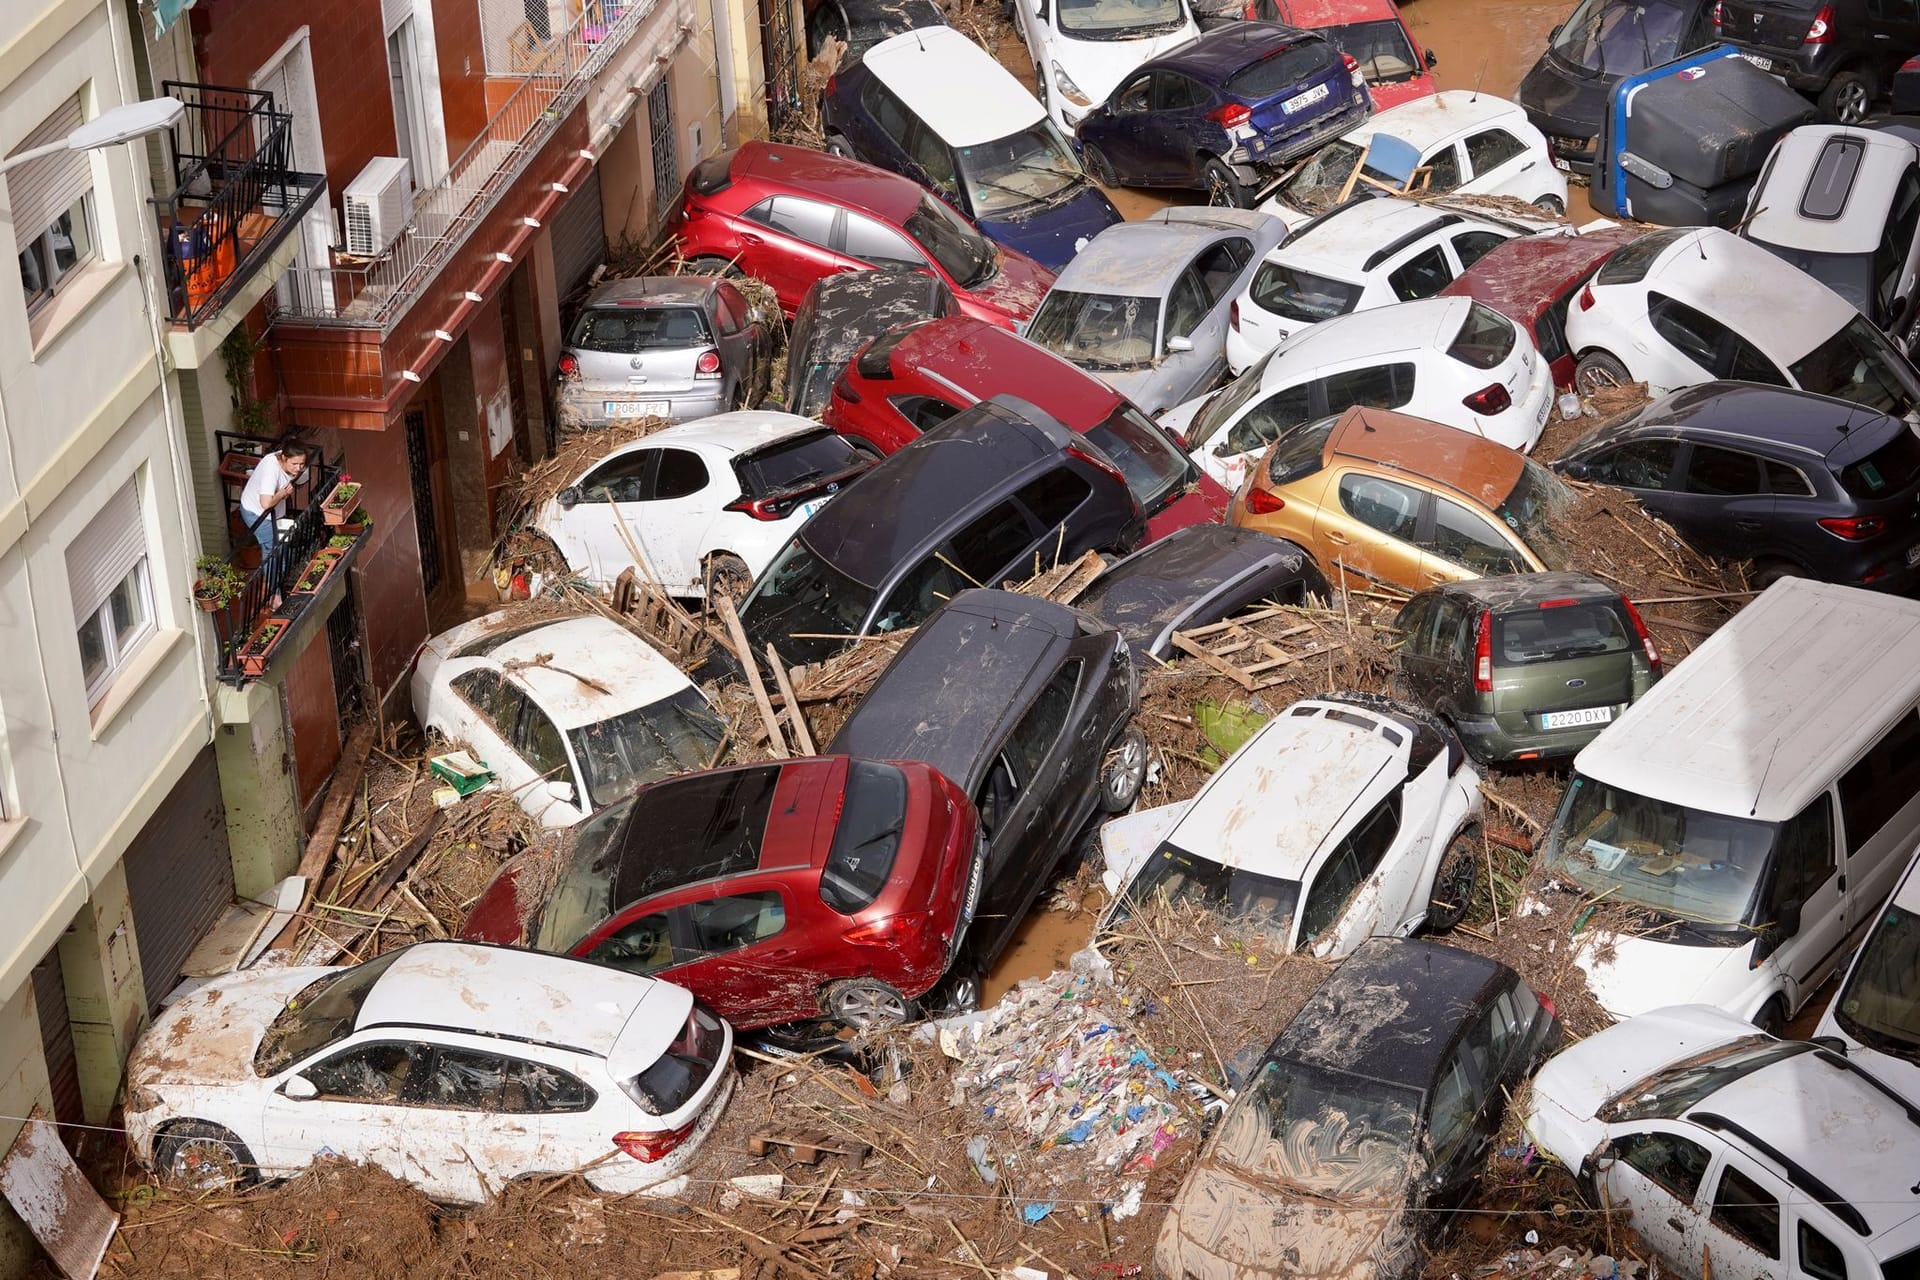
(919,40)
(1762,788)
(1477,79)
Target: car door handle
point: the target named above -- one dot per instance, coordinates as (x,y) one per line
(747,237)
(1337,539)
(1528,165)
(1677,1225)
(1748,526)
(784,953)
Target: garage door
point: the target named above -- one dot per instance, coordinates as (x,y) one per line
(579,239)
(179,875)
(56,1040)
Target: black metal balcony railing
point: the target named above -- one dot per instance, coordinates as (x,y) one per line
(236,196)
(277,572)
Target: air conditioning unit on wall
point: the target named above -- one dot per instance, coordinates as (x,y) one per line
(377,204)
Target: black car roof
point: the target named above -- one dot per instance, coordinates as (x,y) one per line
(1391,1011)
(1140,593)
(949,693)
(852,308)
(1790,420)
(915,497)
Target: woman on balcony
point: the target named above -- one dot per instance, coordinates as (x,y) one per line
(262,502)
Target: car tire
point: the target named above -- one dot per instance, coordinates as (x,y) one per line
(1551,204)
(1223,189)
(867,1004)
(710,265)
(1768,572)
(1098,167)
(727,574)
(1124,771)
(836,145)
(1772,1017)
(958,992)
(1848,97)
(1598,369)
(1455,880)
(198,1156)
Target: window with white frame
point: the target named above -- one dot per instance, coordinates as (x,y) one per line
(51,200)
(112,589)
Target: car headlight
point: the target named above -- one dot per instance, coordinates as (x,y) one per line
(1064,83)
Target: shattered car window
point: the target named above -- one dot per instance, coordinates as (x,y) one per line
(677,1075)
(646,744)
(1173,875)
(1324,1132)
(1097,330)
(1677,1088)
(371,1073)
(322,1014)
(470,1080)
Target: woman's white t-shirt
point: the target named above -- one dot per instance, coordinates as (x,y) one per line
(268,478)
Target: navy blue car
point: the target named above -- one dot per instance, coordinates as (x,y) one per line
(935,107)
(1212,114)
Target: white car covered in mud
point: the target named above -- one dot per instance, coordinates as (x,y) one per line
(454,1066)
(1082,49)
(1341,819)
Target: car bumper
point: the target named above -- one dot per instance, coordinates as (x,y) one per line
(584,410)
(1895,575)
(1268,150)
(1492,742)
(1241,352)
(621,1174)
(1529,416)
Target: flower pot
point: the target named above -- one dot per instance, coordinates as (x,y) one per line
(208,604)
(323,561)
(340,504)
(258,650)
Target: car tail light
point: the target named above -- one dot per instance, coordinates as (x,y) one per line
(648,1145)
(1231,114)
(1546,1002)
(1248,12)
(1586,298)
(843,388)
(1483,653)
(1264,502)
(569,365)
(1493,399)
(887,930)
(1719,13)
(1854,528)
(1646,637)
(1233,315)
(1818,30)
(708,365)
(1101,462)
(764,508)
(833,84)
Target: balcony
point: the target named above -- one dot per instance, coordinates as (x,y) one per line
(235,199)
(545,77)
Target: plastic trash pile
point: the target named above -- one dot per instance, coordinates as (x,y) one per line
(1065,1095)
(1561,1263)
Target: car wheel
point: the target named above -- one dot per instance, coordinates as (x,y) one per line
(837,146)
(958,992)
(1098,167)
(1454,882)
(1224,190)
(1768,572)
(867,1004)
(1124,771)
(1848,97)
(709,265)
(200,1157)
(727,575)
(1597,370)
(1551,204)
(1772,1017)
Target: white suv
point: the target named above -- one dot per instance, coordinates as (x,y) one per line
(1876,1014)
(1771,1157)
(1363,255)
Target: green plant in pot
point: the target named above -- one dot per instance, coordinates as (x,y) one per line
(217,584)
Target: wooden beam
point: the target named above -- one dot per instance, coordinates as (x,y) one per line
(333,816)
(744,652)
(802,735)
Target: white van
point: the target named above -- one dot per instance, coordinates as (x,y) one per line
(1877,1011)
(1756,806)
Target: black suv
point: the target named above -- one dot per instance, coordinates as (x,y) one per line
(1841,53)
(1802,485)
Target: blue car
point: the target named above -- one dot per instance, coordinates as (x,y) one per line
(1218,112)
(935,107)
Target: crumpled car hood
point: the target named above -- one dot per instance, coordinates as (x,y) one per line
(1227,1228)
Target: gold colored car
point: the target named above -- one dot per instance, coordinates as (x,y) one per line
(1403,501)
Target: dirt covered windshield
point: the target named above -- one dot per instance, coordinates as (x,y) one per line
(1097,330)
(1326,1133)
(321,1014)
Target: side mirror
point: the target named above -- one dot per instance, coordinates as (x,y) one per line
(1788,922)
(561,791)
(1604,1159)
(1433,59)
(299,1088)
(568,498)
(1555,33)
(1575,470)
(1179,346)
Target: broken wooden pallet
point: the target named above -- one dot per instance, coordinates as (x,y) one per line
(1227,646)
(807,1148)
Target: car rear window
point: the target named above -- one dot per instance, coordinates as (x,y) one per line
(1152,464)
(1484,340)
(1892,467)
(867,838)
(796,463)
(1282,70)
(673,1078)
(1631,264)
(630,330)
(1559,630)
(704,826)
(1301,451)
(876,358)
(1301,295)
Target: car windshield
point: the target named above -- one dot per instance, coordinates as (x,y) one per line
(583,895)
(630,330)
(1381,48)
(321,1014)
(1877,1007)
(1174,876)
(646,744)
(1301,295)
(1332,1134)
(1119,19)
(1680,862)
(1153,464)
(1315,185)
(1677,1088)
(962,252)
(1219,408)
(804,607)
(1530,507)
(1097,330)
(1621,37)
(1019,171)
(872,814)
(1858,363)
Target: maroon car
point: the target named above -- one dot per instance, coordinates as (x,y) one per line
(907,381)
(782,892)
(1531,279)
(789,216)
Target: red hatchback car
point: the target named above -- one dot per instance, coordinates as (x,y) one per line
(776,893)
(1531,281)
(919,375)
(789,216)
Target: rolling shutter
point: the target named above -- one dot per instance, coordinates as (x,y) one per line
(579,237)
(179,875)
(56,1039)
(105,552)
(39,191)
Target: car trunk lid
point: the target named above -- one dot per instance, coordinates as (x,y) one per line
(640,351)
(1762,24)
(1562,663)
(1294,106)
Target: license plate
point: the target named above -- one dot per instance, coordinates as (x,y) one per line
(1765,64)
(1568,719)
(1307,99)
(637,408)
(806,509)
(1913,556)
(1562,165)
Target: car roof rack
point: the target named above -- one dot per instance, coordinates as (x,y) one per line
(1392,247)
(1796,1175)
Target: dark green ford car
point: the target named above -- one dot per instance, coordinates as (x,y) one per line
(1525,666)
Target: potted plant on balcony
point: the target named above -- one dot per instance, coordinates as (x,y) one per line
(340,504)
(318,570)
(258,650)
(217,584)
(357,523)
